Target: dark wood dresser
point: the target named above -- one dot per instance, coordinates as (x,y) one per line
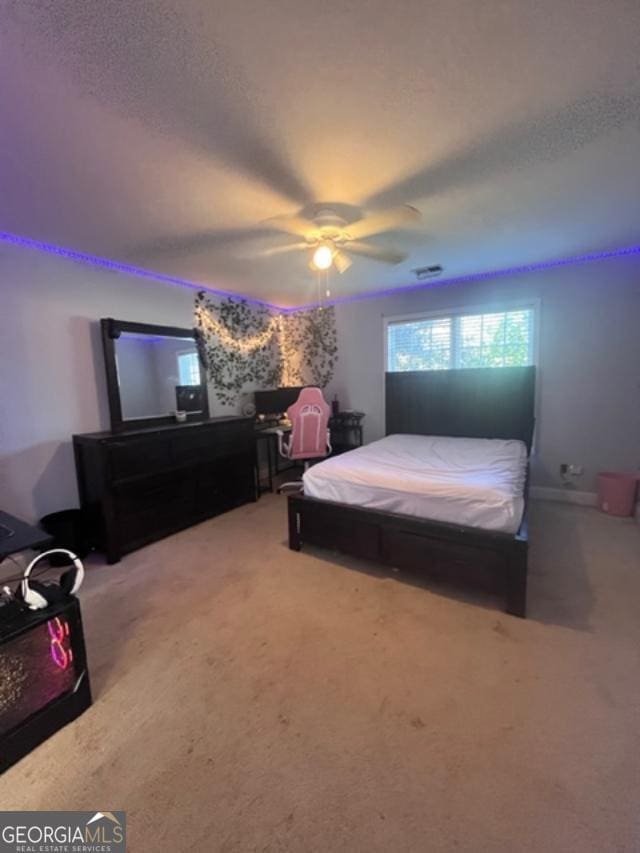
(140,485)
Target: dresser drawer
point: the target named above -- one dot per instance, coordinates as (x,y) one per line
(225,483)
(138,456)
(143,485)
(204,446)
(210,494)
(152,491)
(155,505)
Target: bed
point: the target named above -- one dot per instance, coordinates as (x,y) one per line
(445,493)
(473,482)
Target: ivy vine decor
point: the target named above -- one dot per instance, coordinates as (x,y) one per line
(309,346)
(242,344)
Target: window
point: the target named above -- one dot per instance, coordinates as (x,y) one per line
(442,342)
(189,368)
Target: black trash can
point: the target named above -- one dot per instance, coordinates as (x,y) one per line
(69,530)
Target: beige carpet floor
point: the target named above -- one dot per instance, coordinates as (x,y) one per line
(250,698)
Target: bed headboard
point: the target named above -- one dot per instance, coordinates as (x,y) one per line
(483,402)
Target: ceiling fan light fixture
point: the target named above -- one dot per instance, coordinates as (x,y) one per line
(342,261)
(323,257)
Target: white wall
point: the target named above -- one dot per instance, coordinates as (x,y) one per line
(589,360)
(52,382)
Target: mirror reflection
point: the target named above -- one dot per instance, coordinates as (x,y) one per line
(157,375)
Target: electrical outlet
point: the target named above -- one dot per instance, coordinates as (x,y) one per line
(568,471)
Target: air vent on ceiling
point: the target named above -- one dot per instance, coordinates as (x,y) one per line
(428,272)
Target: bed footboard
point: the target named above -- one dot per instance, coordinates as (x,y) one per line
(403,542)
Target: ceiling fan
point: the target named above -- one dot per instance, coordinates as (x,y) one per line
(332,238)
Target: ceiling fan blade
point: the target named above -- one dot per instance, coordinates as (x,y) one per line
(297,225)
(376,253)
(279,250)
(178,245)
(388,220)
(342,261)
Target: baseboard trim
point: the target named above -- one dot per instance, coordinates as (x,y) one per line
(567,496)
(571,496)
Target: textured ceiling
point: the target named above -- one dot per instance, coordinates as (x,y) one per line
(156,133)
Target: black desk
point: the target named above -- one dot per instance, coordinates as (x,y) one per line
(269,434)
(346,434)
(17,535)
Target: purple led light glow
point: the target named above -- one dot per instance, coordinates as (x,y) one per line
(116,266)
(479,276)
(149,339)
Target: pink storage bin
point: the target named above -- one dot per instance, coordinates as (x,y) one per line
(617,492)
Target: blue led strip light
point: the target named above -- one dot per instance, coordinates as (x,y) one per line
(105,263)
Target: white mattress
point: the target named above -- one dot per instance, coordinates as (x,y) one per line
(476,482)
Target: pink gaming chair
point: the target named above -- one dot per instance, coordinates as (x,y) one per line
(309,438)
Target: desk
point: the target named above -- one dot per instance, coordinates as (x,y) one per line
(17,535)
(346,434)
(269,435)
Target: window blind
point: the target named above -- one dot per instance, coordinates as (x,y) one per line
(188,368)
(492,339)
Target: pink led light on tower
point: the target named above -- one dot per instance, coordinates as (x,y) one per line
(58,633)
(44,680)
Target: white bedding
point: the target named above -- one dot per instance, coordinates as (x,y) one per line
(476,482)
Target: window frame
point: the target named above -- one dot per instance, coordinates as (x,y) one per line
(464,311)
(484,308)
(179,355)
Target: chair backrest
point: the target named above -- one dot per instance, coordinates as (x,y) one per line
(309,418)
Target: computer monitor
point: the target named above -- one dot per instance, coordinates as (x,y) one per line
(189,398)
(275,402)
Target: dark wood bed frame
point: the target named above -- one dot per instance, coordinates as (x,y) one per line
(472,403)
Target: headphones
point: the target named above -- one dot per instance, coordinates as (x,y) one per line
(37,595)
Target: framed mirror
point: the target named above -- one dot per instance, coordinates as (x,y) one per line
(153,375)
